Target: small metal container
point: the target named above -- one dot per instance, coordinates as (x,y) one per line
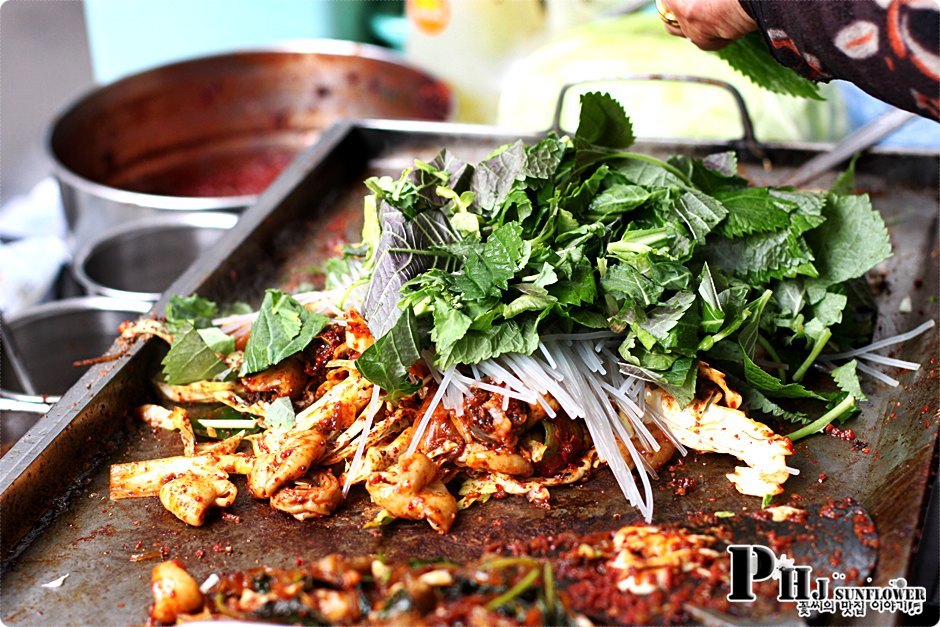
(16,418)
(52,336)
(210,134)
(140,260)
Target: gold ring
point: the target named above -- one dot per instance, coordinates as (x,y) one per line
(666,15)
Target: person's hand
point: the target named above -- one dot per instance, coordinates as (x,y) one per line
(709,24)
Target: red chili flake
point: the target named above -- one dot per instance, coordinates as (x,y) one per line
(682,485)
(925,409)
(842,434)
(301,561)
(200,553)
(822,477)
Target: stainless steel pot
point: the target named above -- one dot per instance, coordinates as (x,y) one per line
(209,134)
(51,336)
(139,260)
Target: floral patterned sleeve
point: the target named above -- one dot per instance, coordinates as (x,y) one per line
(889,48)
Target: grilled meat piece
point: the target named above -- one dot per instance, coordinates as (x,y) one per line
(190,496)
(412,489)
(174,591)
(489,419)
(317,495)
(299,452)
(284,379)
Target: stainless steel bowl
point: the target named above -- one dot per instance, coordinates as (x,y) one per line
(16,418)
(209,134)
(139,261)
(51,336)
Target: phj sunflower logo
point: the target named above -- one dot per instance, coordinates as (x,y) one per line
(752,562)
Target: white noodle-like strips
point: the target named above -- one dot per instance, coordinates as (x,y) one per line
(888,341)
(371,411)
(432,407)
(874,372)
(548,356)
(593,335)
(890,361)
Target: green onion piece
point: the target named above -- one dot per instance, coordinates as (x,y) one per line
(515,591)
(847,404)
(505,562)
(548,585)
(817,348)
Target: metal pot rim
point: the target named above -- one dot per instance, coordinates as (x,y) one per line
(45,310)
(220,221)
(335,47)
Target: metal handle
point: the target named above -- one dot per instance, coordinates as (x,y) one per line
(749,139)
(8,404)
(856,141)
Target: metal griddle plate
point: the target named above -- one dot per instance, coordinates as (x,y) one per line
(57,518)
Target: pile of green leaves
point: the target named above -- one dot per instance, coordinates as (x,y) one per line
(283,328)
(683,257)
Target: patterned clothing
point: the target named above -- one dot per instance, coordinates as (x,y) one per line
(889,48)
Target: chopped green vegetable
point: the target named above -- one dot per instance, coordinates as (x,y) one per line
(846,377)
(283,327)
(216,340)
(387,361)
(852,240)
(845,406)
(190,359)
(279,414)
(193,310)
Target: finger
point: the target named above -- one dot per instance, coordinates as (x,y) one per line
(710,43)
(666,15)
(674,30)
(715,44)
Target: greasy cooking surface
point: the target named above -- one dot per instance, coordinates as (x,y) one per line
(108,548)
